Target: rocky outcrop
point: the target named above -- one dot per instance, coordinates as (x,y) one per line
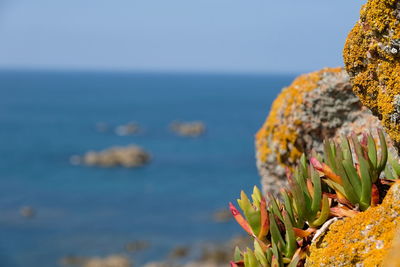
(315,106)
(190,129)
(372,59)
(128,157)
(109,261)
(363,240)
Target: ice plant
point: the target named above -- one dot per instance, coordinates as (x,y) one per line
(347,179)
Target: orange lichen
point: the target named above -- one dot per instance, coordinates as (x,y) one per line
(393,257)
(365,238)
(277,129)
(372,58)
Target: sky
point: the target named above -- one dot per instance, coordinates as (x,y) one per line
(249,36)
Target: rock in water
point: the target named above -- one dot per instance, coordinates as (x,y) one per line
(27,212)
(109,261)
(315,106)
(190,129)
(130,128)
(129,157)
(372,59)
(363,240)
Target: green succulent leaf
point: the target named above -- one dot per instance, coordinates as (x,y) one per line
(366,185)
(390,174)
(256,196)
(384,152)
(244,202)
(276,259)
(258,252)
(252,215)
(394,163)
(288,204)
(250,259)
(238,254)
(274,206)
(316,201)
(354,179)
(372,153)
(298,201)
(329,154)
(357,147)
(291,244)
(346,149)
(275,233)
(348,188)
(303,161)
(324,215)
(269,254)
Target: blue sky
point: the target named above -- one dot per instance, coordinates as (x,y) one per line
(175,35)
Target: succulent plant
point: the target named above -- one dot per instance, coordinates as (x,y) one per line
(347,179)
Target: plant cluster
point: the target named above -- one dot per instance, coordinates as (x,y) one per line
(349,178)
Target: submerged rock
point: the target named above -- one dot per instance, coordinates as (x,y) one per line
(190,129)
(315,106)
(372,59)
(223,215)
(137,246)
(102,127)
(363,240)
(128,157)
(179,252)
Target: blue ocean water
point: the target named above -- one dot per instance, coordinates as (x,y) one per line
(45,117)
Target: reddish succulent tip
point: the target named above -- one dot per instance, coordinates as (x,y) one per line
(316,164)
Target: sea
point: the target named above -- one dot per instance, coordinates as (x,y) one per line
(48,116)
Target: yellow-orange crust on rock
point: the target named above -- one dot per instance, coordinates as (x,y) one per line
(365,238)
(372,59)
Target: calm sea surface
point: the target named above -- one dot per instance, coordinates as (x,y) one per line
(47,117)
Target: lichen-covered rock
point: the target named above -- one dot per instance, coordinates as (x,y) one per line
(363,240)
(315,106)
(393,257)
(372,59)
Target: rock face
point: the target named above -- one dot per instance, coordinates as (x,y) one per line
(129,157)
(190,129)
(372,59)
(363,240)
(315,106)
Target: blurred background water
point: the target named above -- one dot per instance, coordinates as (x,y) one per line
(45,117)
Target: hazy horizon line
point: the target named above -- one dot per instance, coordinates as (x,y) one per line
(148,71)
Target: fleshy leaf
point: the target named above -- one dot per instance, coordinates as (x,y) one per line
(264,219)
(240,220)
